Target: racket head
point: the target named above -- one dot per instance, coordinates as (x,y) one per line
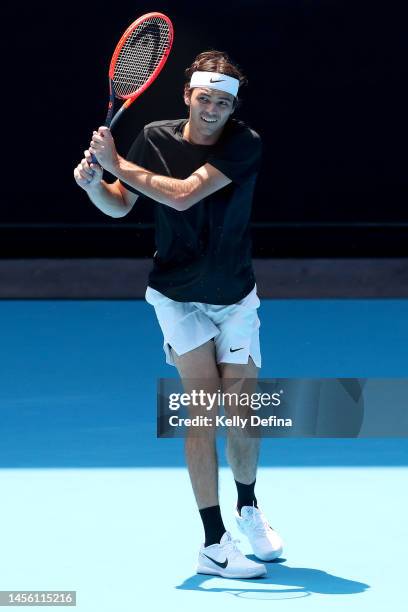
(140,55)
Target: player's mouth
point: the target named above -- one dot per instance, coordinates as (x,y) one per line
(208,120)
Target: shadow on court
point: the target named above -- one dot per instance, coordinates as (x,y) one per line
(307,581)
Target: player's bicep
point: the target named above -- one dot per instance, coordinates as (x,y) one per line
(129,197)
(203,182)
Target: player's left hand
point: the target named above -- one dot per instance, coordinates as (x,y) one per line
(103,147)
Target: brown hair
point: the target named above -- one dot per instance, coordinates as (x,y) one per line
(215,61)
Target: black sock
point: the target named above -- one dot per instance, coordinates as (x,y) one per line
(246,495)
(213,526)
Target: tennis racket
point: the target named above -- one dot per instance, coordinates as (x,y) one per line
(137,61)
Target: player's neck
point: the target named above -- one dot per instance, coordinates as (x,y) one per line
(193,135)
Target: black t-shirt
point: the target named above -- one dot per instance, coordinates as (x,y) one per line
(204,253)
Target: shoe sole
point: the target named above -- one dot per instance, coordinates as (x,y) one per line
(201,569)
(276,555)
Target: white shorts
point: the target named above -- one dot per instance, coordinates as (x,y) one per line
(187,325)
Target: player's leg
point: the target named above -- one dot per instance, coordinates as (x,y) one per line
(218,555)
(242,449)
(239,357)
(243,453)
(188,344)
(199,365)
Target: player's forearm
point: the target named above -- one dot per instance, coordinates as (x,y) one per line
(165,190)
(108,199)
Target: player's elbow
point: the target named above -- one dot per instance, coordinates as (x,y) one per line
(182,201)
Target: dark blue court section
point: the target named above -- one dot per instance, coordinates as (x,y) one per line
(78,379)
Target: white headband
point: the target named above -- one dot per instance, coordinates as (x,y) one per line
(215,80)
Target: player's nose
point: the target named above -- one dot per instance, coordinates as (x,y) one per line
(211,108)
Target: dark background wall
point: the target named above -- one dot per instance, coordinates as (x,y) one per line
(327,93)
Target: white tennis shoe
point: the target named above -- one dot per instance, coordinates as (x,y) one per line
(265,541)
(226,560)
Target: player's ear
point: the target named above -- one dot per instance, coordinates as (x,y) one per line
(187,96)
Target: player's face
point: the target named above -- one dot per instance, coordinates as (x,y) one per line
(210,109)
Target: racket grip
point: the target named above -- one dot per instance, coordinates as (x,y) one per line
(94,160)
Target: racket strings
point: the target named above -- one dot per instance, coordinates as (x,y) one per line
(140,55)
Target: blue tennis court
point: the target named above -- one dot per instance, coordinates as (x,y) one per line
(94,502)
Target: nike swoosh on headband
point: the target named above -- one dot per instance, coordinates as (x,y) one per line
(234,350)
(223,564)
(216,80)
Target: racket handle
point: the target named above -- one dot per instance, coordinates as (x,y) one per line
(94,160)
(108,119)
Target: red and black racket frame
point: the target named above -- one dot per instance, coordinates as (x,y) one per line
(129,99)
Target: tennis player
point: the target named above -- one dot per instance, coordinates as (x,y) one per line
(200,173)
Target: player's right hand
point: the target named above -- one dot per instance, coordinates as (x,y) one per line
(87,174)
